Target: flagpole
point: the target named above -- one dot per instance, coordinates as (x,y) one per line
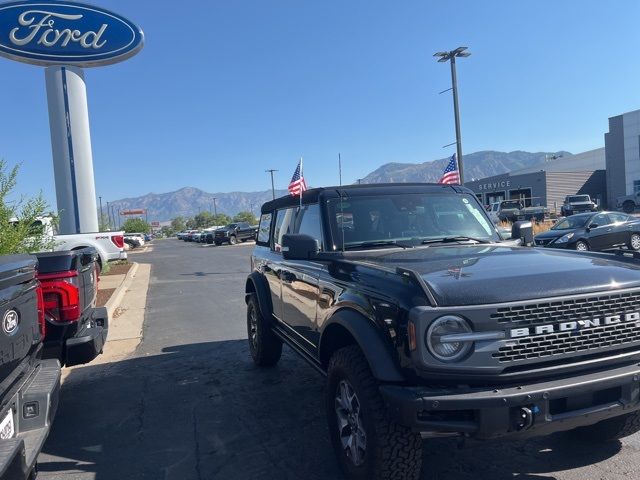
(302,179)
(340,168)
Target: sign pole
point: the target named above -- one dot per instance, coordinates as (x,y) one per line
(71,148)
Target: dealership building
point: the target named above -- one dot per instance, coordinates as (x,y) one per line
(548,183)
(604,173)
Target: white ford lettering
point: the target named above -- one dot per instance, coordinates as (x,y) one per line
(575,325)
(50,36)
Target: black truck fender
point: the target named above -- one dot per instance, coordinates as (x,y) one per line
(258,285)
(367,336)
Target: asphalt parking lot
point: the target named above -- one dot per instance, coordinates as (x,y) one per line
(189,403)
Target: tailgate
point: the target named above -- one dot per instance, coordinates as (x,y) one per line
(19,328)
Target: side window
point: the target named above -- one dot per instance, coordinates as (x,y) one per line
(308,222)
(601,219)
(618,217)
(284,225)
(264,229)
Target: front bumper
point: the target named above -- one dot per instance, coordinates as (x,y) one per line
(487,413)
(89,341)
(39,392)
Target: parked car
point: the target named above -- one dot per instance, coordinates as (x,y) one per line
(137,236)
(29,385)
(593,231)
(426,324)
(577,204)
(513,210)
(234,232)
(75,329)
(133,240)
(628,203)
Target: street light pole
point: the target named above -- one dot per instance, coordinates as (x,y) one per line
(451,57)
(215,208)
(273,189)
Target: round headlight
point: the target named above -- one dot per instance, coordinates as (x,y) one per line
(447,351)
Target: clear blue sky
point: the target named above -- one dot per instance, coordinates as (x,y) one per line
(224,89)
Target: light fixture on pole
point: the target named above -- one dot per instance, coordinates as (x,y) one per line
(451,58)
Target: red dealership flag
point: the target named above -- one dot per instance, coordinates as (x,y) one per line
(297,184)
(450,174)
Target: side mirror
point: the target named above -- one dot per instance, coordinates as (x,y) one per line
(593,225)
(524,231)
(297,246)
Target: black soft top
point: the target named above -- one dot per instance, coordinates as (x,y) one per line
(368,189)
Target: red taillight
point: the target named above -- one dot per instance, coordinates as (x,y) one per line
(118,240)
(61,296)
(41,307)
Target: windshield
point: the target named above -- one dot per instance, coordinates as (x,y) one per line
(383,220)
(573,222)
(579,198)
(231,225)
(510,205)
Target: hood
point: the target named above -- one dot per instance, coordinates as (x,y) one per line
(484,274)
(555,233)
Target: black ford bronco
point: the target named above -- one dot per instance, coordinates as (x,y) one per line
(427,323)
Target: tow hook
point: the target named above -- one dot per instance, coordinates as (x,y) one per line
(525,418)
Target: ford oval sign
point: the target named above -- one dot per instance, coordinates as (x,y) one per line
(66,33)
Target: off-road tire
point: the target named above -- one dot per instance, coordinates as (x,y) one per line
(628,206)
(232,240)
(610,429)
(392,450)
(265,348)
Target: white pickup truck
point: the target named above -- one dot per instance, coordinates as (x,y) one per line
(110,245)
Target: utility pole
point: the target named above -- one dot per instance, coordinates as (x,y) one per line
(273,189)
(215,208)
(119,219)
(451,58)
(111,225)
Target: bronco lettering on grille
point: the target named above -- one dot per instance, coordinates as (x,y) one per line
(575,325)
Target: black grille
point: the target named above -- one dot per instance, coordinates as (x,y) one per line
(542,241)
(541,346)
(569,310)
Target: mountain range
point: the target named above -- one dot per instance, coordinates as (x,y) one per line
(189,201)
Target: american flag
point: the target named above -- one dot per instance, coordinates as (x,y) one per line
(297,184)
(450,174)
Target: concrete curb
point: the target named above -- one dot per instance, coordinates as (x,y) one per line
(116,297)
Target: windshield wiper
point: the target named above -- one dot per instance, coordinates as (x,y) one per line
(456,239)
(380,243)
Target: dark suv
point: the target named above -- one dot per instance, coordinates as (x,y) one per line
(426,323)
(233,233)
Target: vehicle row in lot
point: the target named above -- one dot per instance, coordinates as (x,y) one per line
(593,231)
(231,234)
(426,323)
(49,318)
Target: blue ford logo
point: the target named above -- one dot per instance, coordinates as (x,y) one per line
(66,33)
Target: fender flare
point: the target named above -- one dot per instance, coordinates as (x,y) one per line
(257,283)
(368,337)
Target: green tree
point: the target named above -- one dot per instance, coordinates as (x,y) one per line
(178,224)
(246,217)
(136,225)
(221,219)
(21,230)
(203,220)
(190,224)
